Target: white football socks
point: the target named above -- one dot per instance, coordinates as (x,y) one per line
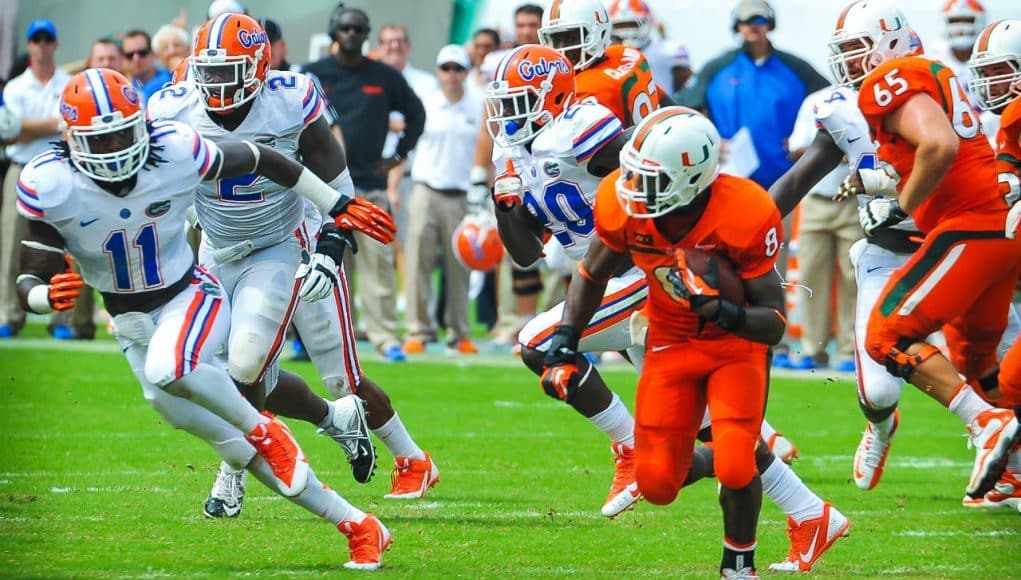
(789,493)
(395,436)
(213,388)
(616,421)
(316,497)
(967,405)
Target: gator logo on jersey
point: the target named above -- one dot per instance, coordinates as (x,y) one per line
(69,112)
(530,70)
(130,94)
(158,208)
(247,38)
(552,169)
(209,289)
(267,140)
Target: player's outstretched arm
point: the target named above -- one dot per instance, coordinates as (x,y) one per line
(821,157)
(923,123)
(45,283)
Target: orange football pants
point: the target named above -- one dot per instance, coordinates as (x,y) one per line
(961,280)
(1010,378)
(676,384)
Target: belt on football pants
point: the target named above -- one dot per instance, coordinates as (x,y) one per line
(896,240)
(117,304)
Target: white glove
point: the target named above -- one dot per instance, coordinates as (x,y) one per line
(880,212)
(1013,219)
(880,181)
(320,277)
(508,191)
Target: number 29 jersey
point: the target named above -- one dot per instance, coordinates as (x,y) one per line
(248,207)
(123,245)
(971,183)
(559,190)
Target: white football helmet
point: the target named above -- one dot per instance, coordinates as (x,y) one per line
(632,22)
(964,20)
(869,33)
(673,155)
(577,25)
(998,44)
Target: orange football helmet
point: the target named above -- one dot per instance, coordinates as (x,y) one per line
(476,242)
(182,71)
(230,61)
(533,84)
(105,126)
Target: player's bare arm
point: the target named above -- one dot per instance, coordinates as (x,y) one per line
(588,284)
(321,151)
(821,157)
(766,313)
(521,233)
(43,284)
(923,123)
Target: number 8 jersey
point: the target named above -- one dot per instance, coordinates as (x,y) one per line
(559,190)
(971,184)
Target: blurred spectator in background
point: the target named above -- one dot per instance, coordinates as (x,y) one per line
(395,48)
(277,47)
(680,65)
(33,97)
(484,41)
(633,25)
(755,87)
(172,45)
(364,92)
(439,202)
(527,20)
(218,7)
(826,231)
(145,75)
(105,53)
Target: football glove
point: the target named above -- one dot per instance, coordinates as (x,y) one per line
(561,378)
(357,214)
(478,193)
(880,212)
(319,273)
(508,191)
(64,289)
(691,288)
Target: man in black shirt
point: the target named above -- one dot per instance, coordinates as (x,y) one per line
(364,92)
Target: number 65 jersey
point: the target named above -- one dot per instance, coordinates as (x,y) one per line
(559,190)
(129,244)
(971,184)
(248,207)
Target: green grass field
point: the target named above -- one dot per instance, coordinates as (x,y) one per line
(95,484)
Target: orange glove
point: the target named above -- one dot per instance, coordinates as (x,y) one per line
(366,217)
(690,287)
(64,290)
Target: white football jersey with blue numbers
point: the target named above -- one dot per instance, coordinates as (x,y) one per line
(559,190)
(129,244)
(248,207)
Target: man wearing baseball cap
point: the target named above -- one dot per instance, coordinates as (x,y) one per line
(438,202)
(34,98)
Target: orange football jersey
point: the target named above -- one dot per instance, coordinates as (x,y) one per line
(748,237)
(621,82)
(1008,152)
(971,183)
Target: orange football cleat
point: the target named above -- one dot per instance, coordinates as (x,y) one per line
(367,541)
(411,478)
(811,538)
(624,492)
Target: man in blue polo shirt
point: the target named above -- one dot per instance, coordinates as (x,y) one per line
(755,87)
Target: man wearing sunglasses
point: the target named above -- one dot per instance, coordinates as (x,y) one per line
(34,98)
(141,61)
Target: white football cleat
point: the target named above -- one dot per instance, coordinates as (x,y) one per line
(228,492)
(783,448)
(351,432)
(993,434)
(870,458)
(746,573)
(1006,493)
(811,538)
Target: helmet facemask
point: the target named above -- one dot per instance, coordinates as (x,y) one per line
(516,115)
(577,42)
(226,82)
(996,81)
(112,148)
(646,190)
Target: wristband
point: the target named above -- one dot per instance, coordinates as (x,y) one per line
(317,191)
(39,299)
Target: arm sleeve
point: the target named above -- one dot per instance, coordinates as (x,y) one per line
(411,107)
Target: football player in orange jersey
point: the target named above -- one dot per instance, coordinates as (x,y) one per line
(668,196)
(996,83)
(615,76)
(962,277)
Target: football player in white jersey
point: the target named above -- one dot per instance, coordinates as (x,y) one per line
(890,239)
(114,198)
(551,154)
(256,234)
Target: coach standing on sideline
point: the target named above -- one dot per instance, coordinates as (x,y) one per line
(364,92)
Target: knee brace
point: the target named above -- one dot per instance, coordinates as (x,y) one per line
(900,364)
(525,282)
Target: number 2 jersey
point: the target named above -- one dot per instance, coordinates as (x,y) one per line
(248,207)
(971,184)
(559,190)
(130,244)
